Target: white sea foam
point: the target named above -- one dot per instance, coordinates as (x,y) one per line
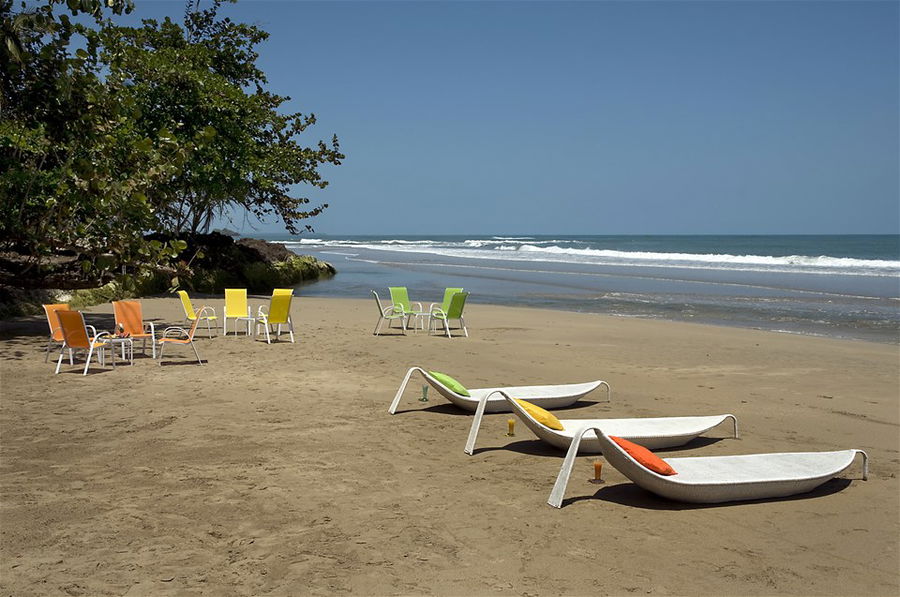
(529,249)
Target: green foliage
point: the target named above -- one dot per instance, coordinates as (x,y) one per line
(107,132)
(75,170)
(200,85)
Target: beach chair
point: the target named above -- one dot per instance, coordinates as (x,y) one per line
(454,311)
(445,304)
(714,479)
(179,336)
(400,301)
(278,313)
(546,396)
(388,313)
(130,317)
(206,313)
(236,308)
(77,337)
(650,432)
(56,336)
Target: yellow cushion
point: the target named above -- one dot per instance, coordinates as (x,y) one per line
(540,415)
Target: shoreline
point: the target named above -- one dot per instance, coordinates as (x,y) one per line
(812,300)
(276,468)
(892,339)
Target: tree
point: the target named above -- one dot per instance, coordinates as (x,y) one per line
(74,168)
(201,84)
(131,130)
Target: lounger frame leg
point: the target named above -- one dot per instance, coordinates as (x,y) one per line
(476,421)
(399,394)
(865,464)
(565,471)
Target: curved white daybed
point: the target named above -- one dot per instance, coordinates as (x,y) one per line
(652,433)
(547,397)
(712,479)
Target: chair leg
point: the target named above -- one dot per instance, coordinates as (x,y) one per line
(266,326)
(47,356)
(152,345)
(196,353)
(162,346)
(291,329)
(447,327)
(71,357)
(378,325)
(87,361)
(462,322)
(62,352)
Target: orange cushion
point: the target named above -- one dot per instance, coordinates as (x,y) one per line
(645,457)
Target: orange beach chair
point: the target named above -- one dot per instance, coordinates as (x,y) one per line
(131,318)
(206,313)
(53,321)
(75,337)
(179,335)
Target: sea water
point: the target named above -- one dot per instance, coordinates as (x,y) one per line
(837,285)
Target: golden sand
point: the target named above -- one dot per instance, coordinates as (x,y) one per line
(277,469)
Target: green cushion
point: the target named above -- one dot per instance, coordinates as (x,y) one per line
(451,383)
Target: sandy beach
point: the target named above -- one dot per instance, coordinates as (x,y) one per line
(276,469)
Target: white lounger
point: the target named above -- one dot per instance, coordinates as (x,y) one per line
(652,433)
(547,397)
(712,479)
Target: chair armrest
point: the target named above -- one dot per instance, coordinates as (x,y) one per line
(176,330)
(205,308)
(262,311)
(387,310)
(438,312)
(420,306)
(92,329)
(152,328)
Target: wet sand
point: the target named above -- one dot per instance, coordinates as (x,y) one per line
(276,469)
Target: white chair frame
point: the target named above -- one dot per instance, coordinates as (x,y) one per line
(389,313)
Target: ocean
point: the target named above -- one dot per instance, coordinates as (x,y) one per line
(845,286)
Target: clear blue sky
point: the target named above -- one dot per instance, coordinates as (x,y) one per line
(592,117)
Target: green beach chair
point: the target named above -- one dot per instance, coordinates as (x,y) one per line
(445,305)
(453,311)
(401,304)
(387,313)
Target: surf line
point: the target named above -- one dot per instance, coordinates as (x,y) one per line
(604,275)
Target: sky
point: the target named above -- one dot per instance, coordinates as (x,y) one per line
(590,117)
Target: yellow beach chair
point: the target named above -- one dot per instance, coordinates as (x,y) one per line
(278,313)
(236,308)
(75,337)
(206,313)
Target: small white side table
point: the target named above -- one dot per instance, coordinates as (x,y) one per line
(127,345)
